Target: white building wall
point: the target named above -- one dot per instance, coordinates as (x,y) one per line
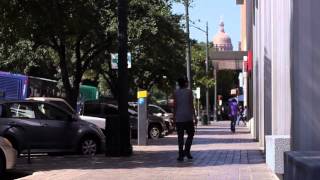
(256,107)
(272,62)
(291,40)
(260,34)
(267,58)
(281,92)
(272,42)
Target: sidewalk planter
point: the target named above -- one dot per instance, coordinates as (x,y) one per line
(276,145)
(302,165)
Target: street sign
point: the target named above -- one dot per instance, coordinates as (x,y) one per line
(240,77)
(142,94)
(233,92)
(114,60)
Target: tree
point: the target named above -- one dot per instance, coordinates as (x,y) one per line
(156,42)
(77,31)
(200,78)
(23,58)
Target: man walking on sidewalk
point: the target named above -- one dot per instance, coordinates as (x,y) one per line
(233,113)
(184,115)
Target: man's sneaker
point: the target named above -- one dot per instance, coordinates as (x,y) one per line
(180,158)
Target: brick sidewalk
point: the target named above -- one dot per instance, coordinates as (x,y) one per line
(218,154)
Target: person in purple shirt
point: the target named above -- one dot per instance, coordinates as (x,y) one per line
(233,113)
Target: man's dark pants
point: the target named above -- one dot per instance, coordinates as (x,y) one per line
(189,128)
(233,123)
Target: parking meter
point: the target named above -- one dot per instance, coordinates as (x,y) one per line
(142,118)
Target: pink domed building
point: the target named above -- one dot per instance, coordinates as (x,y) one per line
(222,41)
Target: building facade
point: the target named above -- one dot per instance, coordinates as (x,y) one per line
(285,41)
(222,41)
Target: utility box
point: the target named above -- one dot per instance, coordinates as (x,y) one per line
(142,118)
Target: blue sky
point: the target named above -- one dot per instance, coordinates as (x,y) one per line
(212,11)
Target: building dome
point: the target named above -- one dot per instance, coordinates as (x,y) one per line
(222,41)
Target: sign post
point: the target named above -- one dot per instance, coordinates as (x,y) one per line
(142,118)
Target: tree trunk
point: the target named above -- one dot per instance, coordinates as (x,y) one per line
(65,76)
(72,93)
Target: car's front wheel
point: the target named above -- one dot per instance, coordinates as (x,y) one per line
(88,146)
(154,132)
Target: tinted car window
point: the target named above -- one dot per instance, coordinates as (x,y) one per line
(153,110)
(52,113)
(92,109)
(168,109)
(21,110)
(110,110)
(63,106)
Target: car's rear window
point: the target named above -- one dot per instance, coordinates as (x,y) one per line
(18,110)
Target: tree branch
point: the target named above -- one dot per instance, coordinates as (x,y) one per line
(94,55)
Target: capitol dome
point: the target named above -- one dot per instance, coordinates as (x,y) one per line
(221,41)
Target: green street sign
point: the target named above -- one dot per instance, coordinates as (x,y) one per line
(114,60)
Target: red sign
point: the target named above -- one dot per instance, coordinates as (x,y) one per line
(245,65)
(250,62)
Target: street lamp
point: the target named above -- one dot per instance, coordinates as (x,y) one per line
(207,66)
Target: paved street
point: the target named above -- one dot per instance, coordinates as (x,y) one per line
(218,154)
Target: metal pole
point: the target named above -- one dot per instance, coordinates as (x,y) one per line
(215,92)
(207,69)
(198,109)
(125,147)
(188,50)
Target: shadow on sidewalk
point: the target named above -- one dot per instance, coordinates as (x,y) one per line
(141,159)
(157,158)
(172,140)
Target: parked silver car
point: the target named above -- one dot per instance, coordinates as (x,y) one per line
(100,122)
(160,112)
(45,127)
(8,155)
